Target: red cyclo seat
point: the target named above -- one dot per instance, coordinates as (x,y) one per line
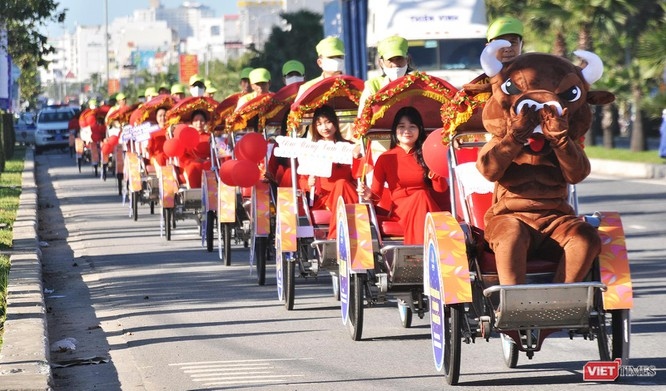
(246,192)
(535,265)
(478,205)
(390,227)
(321,216)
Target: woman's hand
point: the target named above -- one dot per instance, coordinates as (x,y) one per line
(356,152)
(311,181)
(364,191)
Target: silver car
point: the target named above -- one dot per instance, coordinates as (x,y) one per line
(53,128)
(24,128)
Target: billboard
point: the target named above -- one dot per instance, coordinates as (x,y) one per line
(188,66)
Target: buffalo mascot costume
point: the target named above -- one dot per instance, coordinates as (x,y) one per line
(538,113)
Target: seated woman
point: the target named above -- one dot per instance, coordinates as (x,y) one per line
(156,142)
(415,191)
(326,126)
(195,160)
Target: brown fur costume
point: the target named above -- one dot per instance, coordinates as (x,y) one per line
(534,154)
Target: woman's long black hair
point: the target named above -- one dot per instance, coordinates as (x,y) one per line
(329,113)
(414,117)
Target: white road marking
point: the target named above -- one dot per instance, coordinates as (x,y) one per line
(220,373)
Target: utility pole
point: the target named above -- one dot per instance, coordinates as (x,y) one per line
(106,40)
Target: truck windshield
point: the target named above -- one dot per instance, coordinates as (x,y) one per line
(446,54)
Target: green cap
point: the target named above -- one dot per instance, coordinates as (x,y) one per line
(164,86)
(293,66)
(210,88)
(92,103)
(245,73)
(196,79)
(330,47)
(393,46)
(260,75)
(150,91)
(120,96)
(177,89)
(504,25)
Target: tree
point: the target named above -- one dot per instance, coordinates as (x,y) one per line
(25,44)
(296,42)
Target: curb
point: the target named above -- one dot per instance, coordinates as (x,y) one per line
(628,169)
(24,358)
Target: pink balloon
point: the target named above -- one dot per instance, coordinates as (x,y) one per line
(226,172)
(246,173)
(252,147)
(434,154)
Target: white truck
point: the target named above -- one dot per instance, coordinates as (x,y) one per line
(445,37)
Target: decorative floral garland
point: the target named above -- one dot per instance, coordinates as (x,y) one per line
(338,88)
(386,98)
(459,110)
(174,115)
(238,119)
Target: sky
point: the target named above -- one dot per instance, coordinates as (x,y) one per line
(91,12)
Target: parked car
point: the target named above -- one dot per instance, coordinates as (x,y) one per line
(53,128)
(24,128)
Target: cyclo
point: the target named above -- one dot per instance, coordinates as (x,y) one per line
(140,173)
(91,133)
(301,232)
(266,114)
(462,284)
(181,196)
(234,222)
(374,262)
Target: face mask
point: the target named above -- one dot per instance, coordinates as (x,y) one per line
(293,79)
(332,64)
(395,73)
(197,91)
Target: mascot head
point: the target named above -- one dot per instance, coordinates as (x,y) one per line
(537,80)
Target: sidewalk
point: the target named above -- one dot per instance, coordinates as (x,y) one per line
(24,358)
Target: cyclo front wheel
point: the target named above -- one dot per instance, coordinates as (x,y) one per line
(210,227)
(260,247)
(452,324)
(288,268)
(355,321)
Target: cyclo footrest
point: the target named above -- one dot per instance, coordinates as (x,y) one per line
(406,263)
(541,306)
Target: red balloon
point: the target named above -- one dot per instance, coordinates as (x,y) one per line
(252,147)
(246,173)
(226,172)
(112,141)
(106,148)
(91,120)
(173,148)
(188,136)
(435,154)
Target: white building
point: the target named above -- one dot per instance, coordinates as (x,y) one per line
(259,16)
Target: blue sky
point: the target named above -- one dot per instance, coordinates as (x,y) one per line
(91,12)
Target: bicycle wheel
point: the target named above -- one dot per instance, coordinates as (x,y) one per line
(288,270)
(135,205)
(167,223)
(260,247)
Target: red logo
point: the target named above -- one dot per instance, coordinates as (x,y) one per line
(602,370)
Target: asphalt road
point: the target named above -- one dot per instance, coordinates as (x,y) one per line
(148,314)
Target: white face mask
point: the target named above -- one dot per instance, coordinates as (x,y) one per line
(293,79)
(197,91)
(332,64)
(395,73)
